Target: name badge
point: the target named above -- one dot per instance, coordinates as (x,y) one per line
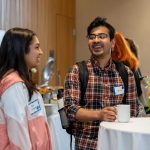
(119,90)
(34,107)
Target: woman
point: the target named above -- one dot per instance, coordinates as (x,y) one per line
(23,124)
(126,53)
(123,53)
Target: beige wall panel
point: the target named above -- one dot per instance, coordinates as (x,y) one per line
(65,7)
(65,46)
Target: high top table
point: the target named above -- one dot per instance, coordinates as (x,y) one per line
(134,135)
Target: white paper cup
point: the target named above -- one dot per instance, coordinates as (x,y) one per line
(123,114)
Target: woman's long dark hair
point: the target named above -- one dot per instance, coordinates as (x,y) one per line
(14,47)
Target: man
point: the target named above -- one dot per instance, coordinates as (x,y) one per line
(105,88)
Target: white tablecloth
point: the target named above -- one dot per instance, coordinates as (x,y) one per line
(134,135)
(60,138)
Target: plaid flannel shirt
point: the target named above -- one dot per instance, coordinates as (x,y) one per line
(99,94)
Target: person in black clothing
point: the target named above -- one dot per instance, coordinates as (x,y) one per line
(137,73)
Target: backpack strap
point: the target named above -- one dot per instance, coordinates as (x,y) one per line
(124,76)
(137,76)
(83,77)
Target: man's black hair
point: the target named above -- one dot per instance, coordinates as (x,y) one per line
(98,21)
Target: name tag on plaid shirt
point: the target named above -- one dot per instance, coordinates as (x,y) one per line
(119,90)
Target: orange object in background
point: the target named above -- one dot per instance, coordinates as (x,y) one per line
(148,93)
(44,90)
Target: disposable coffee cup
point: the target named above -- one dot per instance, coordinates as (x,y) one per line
(123,114)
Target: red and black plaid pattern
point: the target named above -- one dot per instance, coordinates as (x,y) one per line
(99,94)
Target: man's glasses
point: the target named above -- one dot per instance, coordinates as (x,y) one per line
(100,36)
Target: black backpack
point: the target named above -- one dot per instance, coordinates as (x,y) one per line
(83,77)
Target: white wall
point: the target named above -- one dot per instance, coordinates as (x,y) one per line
(131,17)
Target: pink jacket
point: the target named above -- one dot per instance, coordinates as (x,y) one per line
(23,123)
